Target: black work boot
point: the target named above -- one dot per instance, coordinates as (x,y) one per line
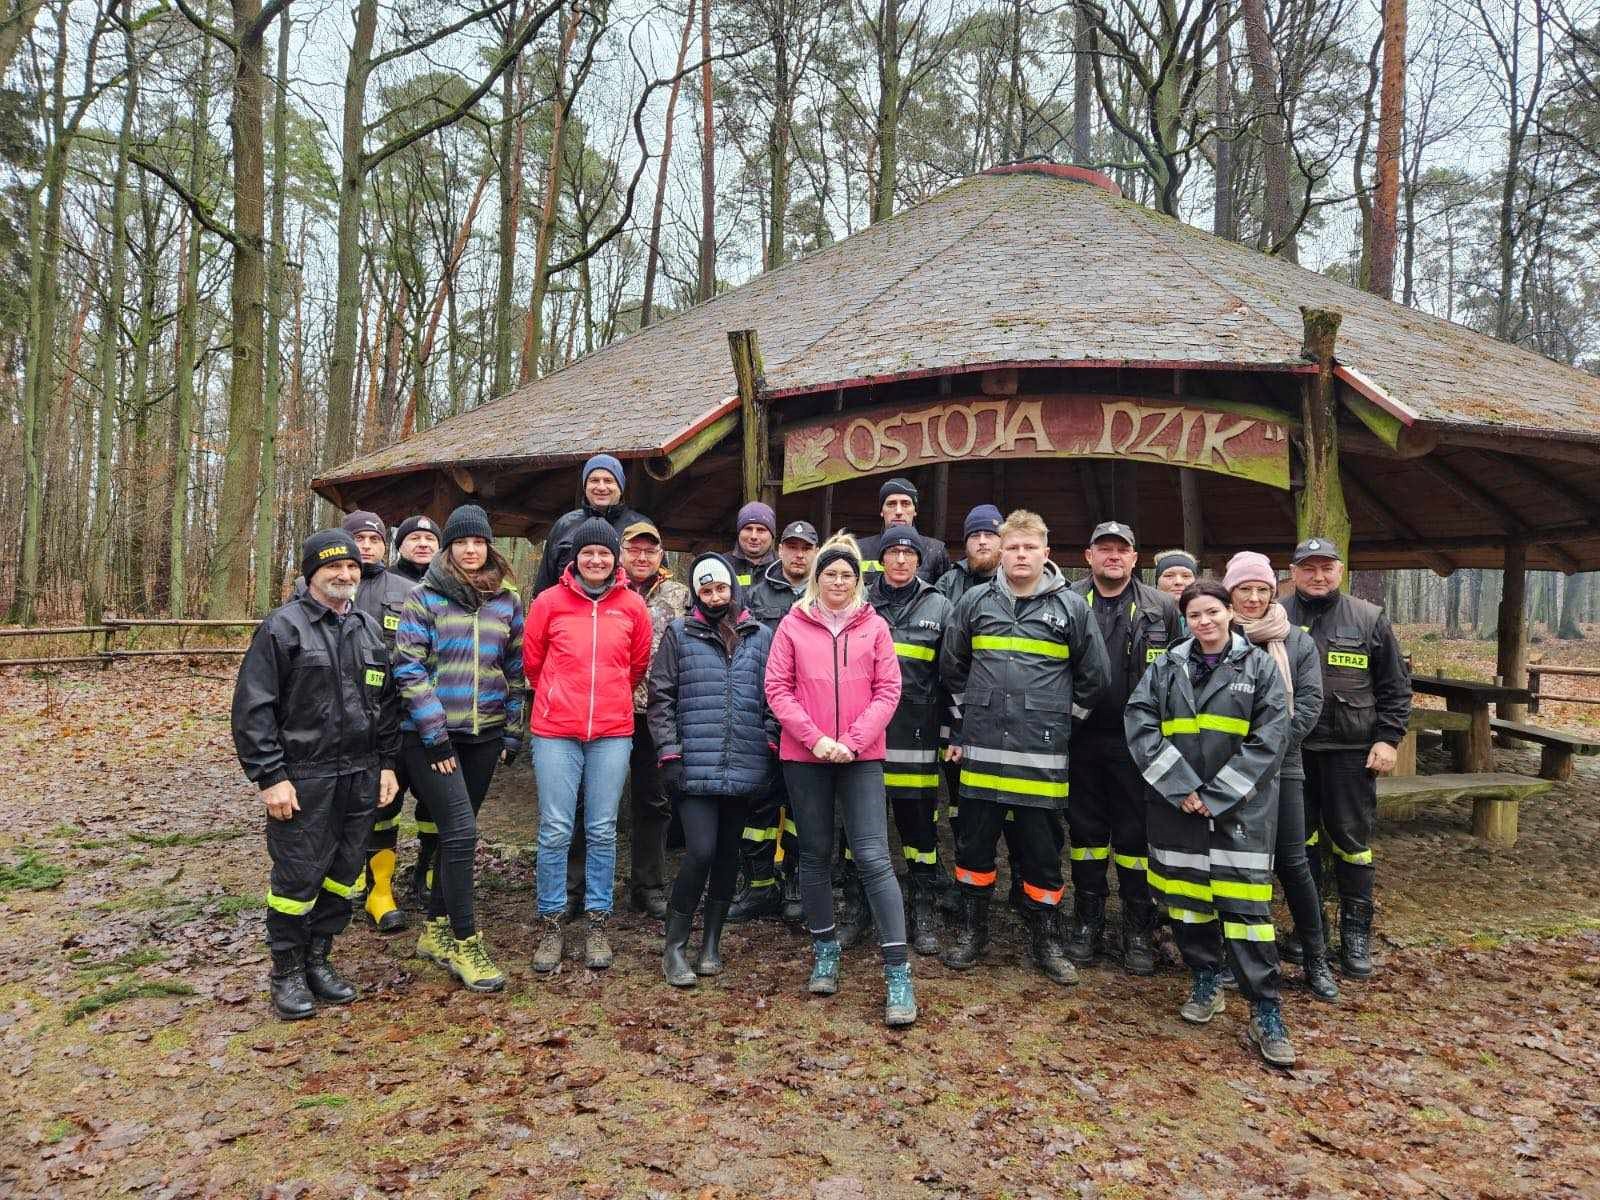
(789,885)
(710,960)
(760,897)
(1291,948)
(291,998)
(652,901)
(972,930)
(1138,930)
(923,913)
(674,961)
(1046,949)
(1355,938)
(1088,924)
(1319,975)
(323,977)
(852,916)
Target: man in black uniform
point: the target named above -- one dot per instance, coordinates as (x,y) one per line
(1367,707)
(769,824)
(1106,808)
(898,500)
(316,724)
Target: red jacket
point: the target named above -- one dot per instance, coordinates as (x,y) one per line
(582,659)
(845,688)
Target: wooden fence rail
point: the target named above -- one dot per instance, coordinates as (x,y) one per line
(1536,685)
(111,627)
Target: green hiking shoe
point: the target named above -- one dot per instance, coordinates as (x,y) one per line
(1205,999)
(471,964)
(435,941)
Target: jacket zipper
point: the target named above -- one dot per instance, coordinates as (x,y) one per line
(475,660)
(594,659)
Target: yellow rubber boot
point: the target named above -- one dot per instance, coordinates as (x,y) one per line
(380,894)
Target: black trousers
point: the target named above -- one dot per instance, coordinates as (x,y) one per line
(952,791)
(1342,802)
(318,857)
(1292,865)
(453,801)
(386,825)
(1105,815)
(651,815)
(1035,843)
(711,831)
(915,821)
(769,823)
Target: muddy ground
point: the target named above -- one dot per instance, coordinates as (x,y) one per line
(139,1058)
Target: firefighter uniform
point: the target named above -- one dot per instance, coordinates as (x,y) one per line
(1106,814)
(1222,738)
(1023,665)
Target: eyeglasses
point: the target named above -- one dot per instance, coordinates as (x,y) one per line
(641,551)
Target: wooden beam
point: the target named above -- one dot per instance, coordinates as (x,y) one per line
(1194,528)
(1585,505)
(1473,494)
(752,380)
(1320,508)
(1511,653)
(1396,523)
(664,466)
(1585,454)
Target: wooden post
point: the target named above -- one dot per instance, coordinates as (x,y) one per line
(1319,506)
(752,381)
(1511,656)
(938,501)
(1194,529)
(827,529)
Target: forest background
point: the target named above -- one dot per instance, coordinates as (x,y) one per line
(241,241)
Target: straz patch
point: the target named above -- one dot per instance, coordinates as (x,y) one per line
(1339,658)
(390,621)
(374,677)
(1151,653)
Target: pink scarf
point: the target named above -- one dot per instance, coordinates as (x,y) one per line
(1271,631)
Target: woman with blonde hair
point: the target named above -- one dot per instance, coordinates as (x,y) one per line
(833,682)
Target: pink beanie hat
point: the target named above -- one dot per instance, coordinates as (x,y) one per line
(1247,566)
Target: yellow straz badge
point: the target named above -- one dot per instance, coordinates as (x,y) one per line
(1151,653)
(374,677)
(391,621)
(1338,659)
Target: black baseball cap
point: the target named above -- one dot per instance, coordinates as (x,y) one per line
(1316,547)
(805,531)
(1114,529)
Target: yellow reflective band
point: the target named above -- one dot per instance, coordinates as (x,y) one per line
(1233,890)
(1211,721)
(1089,853)
(871,564)
(1190,918)
(1021,645)
(849,854)
(1129,863)
(1023,787)
(374,678)
(926,857)
(293,908)
(1315,834)
(427,827)
(1151,653)
(1339,658)
(1241,932)
(911,781)
(789,827)
(752,834)
(345,890)
(384,826)
(1177,887)
(1361,858)
(907,650)
(755,883)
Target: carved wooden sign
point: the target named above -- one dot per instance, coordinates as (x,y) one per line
(1230,439)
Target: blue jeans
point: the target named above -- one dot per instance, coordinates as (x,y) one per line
(561,767)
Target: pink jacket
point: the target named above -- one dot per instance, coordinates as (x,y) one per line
(845,688)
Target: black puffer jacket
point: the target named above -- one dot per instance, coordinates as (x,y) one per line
(558,550)
(314,696)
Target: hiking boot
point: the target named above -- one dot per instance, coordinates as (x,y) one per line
(899,1003)
(1046,948)
(385,915)
(761,898)
(1205,999)
(652,901)
(1138,946)
(791,909)
(1226,978)
(552,945)
(1319,977)
(291,998)
(852,917)
(1291,949)
(674,963)
(597,954)
(470,963)
(1267,1034)
(710,960)
(824,979)
(435,941)
(922,914)
(322,977)
(1088,924)
(972,933)
(1355,938)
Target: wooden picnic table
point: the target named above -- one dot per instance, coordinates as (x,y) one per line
(1474,753)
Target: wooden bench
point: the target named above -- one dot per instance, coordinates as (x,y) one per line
(1494,797)
(1556,748)
(1426,719)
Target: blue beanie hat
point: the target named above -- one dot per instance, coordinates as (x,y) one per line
(983,519)
(605,462)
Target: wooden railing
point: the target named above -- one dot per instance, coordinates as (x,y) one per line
(1536,685)
(112,627)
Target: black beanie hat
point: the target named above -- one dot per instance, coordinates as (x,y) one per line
(467,521)
(326,546)
(596,531)
(900,535)
(415,524)
(898,487)
(362,521)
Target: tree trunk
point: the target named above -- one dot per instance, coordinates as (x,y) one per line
(1391,124)
(1082,90)
(1274,133)
(889,102)
(267,512)
(1568,627)
(1223,221)
(708,163)
(511,140)
(653,252)
(1452,605)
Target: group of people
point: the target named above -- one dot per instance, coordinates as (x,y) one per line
(1202,735)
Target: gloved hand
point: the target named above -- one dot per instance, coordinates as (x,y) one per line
(669,777)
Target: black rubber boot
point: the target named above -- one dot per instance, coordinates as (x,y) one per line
(1319,975)
(323,977)
(789,885)
(1088,924)
(755,903)
(710,960)
(1138,946)
(923,923)
(291,998)
(1291,947)
(852,916)
(972,933)
(1046,949)
(1355,938)
(674,962)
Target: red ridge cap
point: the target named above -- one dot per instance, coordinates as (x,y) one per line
(1058,171)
